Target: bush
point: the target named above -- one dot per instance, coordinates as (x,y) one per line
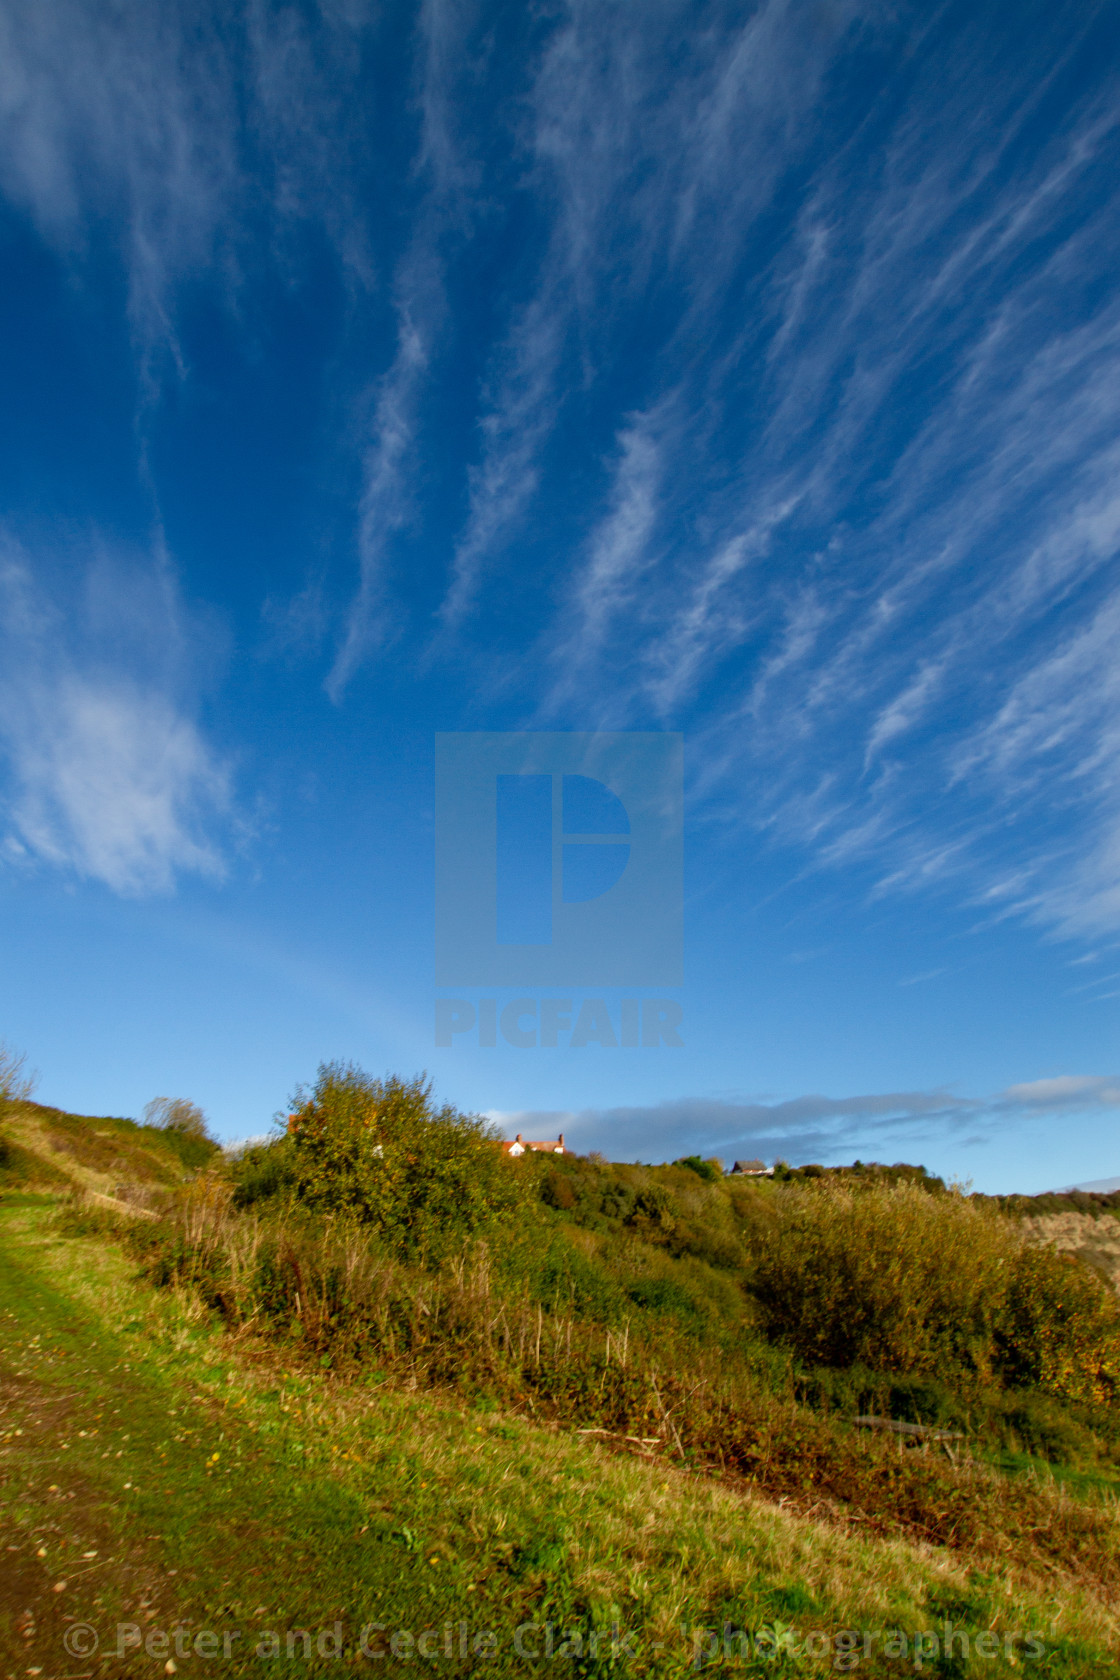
(910,1284)
(1035,1423)
(707,1170)
(380,1153)
(557,1192)
(1058,1328)
(178,1117)
(881,1274)
(262,1172)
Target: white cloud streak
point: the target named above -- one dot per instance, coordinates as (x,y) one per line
(826,1129)
(174,133)
(391,464)
(109,776)
(900,639)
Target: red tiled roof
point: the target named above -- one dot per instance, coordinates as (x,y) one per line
(519,1145)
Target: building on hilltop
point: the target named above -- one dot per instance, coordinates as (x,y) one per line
(520,1144)
(752,1169)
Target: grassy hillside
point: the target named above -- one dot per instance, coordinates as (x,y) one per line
(565,1390)
(167,1488)
(46,1148)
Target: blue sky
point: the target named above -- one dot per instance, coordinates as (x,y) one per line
(751,372)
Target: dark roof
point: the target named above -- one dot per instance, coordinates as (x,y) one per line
(749,1167)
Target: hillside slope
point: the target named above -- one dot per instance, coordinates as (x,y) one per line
(372,1367)
(49,1149)
(1093,1238)
(170,1493)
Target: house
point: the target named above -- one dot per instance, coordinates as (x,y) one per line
(752,1169)
(520,1144)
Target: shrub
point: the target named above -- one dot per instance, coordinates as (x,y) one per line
(616,1200)
(1058,1328)
(176,1115)
(262,1172)
(1035,1423)
(911,1284)
(881,1274)
(664,1295)
(706,1170)
(707,1242)
(557,1191)
(380,1153)
(654,1208)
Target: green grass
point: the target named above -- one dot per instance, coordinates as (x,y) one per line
(357,1501)
(1097,1481)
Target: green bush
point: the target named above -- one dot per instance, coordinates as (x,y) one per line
(190,1148)
(1058,1328)
(1038,1424)
(707,1170)
(665,1296)
(380,1153)
(263,1172)
(883,1275)
(888,1276)
(564,1279)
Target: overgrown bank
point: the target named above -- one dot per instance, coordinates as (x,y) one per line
(221,1497)
(737,1329)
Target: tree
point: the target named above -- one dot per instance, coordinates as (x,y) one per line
(16,1084)
(175,1114)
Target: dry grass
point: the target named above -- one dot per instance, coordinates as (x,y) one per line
(90,1153)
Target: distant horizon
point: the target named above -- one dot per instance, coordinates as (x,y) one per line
(1102,1186)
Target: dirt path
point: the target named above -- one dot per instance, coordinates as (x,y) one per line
(137,1519)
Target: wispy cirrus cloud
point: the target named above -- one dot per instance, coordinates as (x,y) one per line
(514,428)
(909,540)
(619,555)
(109,775)
(117,118)
(391,461)
(174,138)
(634,174)
(387,499)
(768,363)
